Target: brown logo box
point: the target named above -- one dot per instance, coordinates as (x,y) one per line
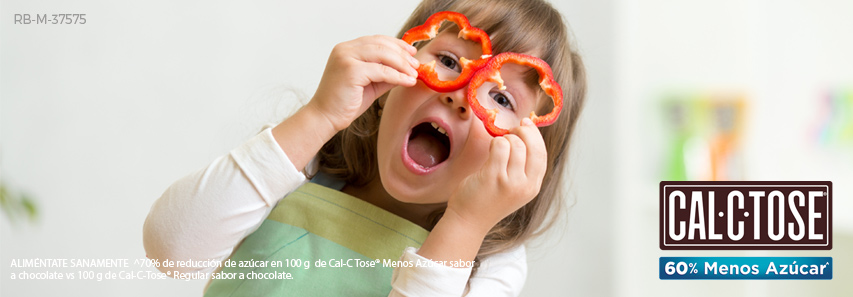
(741,215)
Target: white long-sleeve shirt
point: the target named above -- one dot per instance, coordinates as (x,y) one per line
(205,215)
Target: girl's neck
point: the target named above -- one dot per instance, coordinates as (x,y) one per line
(374,193)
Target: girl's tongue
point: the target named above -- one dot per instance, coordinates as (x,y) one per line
(427,146)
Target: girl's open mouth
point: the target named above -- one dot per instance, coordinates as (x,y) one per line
(427,146)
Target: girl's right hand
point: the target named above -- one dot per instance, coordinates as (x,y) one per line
(358,72)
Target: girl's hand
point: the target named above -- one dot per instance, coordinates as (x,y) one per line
(510,179)
(359,71)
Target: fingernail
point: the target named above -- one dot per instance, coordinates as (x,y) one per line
(411,79)
(415,63)
(527,121)
(411,48)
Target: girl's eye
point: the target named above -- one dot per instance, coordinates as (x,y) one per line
(449,62)
(502,100)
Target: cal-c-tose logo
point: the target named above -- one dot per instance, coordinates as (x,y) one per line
(745,215)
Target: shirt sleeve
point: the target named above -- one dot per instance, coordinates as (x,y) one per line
(204,215)
(501,274)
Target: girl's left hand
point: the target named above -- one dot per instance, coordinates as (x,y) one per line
(511,177)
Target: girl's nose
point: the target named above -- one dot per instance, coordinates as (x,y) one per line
(457,101)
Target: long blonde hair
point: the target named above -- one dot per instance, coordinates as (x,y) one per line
(515,26)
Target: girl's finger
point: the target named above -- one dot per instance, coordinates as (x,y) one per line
(407,47)
(537,155)
(517,156)
(406,51)
(386,52)
(381,73)
(499,150)
(394,43)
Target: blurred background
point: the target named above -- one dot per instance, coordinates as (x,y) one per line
(96,120)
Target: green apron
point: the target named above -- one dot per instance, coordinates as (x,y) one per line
(319,223)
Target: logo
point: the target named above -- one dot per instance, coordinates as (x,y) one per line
(746,215)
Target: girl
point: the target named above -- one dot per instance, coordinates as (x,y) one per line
(398,171)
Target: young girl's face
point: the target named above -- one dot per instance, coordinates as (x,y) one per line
(429,142)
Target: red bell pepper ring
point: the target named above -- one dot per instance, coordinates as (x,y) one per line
(491,72)
(428,31)
(427,74)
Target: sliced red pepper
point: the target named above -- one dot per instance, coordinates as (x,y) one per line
(427,74)
(428,31)
(487,68)
(491,72)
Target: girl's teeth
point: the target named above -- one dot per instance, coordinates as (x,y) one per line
(440,129)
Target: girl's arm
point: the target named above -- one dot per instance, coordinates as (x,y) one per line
(510,178)
(358,72)
(500,274)
(203,216)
